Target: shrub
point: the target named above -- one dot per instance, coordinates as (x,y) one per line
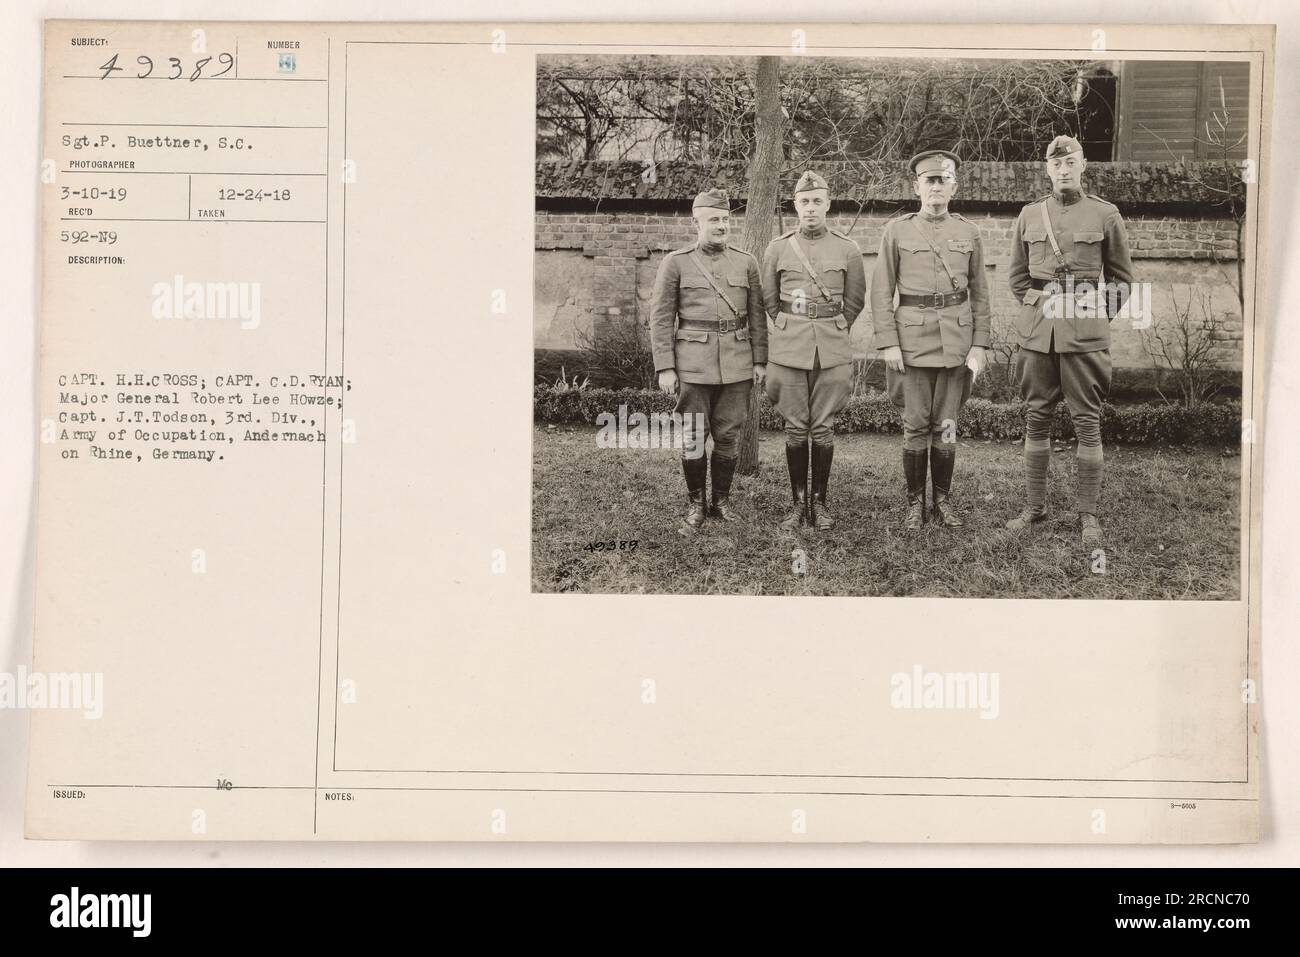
(1211,423)
(559,406)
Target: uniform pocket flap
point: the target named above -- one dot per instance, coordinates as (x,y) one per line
(961,245)
(1035,234)
(692,282)
(1089,237)
(693,335)
(738,279)
(913,246)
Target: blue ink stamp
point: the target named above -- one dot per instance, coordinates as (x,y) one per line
(288,63)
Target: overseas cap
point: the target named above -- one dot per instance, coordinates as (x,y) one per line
(714,198)
(934,161)
(1063,146)
(809,181)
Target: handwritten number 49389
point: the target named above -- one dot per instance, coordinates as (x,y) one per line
(177,68)
(620,545)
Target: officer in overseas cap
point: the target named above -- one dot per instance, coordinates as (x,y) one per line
(811,180)
(1066,248)
(815,286)
(708,334)
(1063,146)
(712,198)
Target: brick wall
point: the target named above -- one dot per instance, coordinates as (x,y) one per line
(591,267)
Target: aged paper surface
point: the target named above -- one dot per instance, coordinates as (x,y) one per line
(286,516)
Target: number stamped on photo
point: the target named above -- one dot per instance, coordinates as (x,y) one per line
(613,545)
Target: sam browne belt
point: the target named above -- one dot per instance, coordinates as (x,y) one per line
(1036,283)
(710,325)
(811,308)
(934,300)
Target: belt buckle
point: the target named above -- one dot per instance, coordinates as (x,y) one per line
(810,309)
(937,300)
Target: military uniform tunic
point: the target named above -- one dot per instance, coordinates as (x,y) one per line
(1094,244)
(907,264)
(694,331)
(798,334)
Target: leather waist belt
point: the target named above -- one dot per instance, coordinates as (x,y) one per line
(1036,283)
(811,309)
(936,300)
(709,325)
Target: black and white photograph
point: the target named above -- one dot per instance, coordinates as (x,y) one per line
(408,415)
(820,325)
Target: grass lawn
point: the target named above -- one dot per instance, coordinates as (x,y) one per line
(1170,518)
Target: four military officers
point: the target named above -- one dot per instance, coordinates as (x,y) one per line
(721,322)
(930,312)
(708,335)
(1070,267)
(815,287)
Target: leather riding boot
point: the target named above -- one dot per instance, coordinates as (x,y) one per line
(915,462)
(723,470)
(696,471)
(822,456)
(796,461)
(942,461)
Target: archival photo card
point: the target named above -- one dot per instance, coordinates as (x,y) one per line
(650,432)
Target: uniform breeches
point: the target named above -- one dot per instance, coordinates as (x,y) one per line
(932,397)
(809,399)
(724,409)
(1081,378)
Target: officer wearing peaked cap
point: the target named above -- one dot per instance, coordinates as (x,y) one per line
(708,335)
(815,287)
(931,318)
(1070,268)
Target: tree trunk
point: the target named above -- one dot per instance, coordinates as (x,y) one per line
(761,207)
(1241,263)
